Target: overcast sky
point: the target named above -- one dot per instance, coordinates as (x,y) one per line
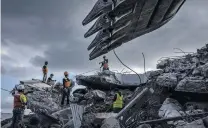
(37,30)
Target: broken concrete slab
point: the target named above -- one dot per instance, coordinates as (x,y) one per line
(178,118)
(105,115)
(195,124)
(170,108)
(98,94)
(153,74)
(167,80)
(192,84)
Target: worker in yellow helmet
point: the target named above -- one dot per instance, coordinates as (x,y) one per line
(20,102)
(118,101)
(45,71)
(66,88)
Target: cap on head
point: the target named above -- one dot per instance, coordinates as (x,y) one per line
(103,56)
(52,74)
(46,62)
(66,73)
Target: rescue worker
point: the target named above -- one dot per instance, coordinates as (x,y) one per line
(50,79)
(45,71)
(20,102)
(118,101)
(104,64)
(66,88)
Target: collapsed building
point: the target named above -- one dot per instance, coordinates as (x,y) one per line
(175,95)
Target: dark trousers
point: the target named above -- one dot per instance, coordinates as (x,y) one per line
(44,77)
(116,110)
(17,119)
(66,93)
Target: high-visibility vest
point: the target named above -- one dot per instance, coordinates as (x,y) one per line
(45,70)
(17,100)
(67,83)
(119,101)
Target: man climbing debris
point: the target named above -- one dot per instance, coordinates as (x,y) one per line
(45,71)
(50,79)
(66,88)
(118,101)
(20,102)
(104,64)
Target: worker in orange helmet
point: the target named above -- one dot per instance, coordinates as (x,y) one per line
(45,71)
(66,88)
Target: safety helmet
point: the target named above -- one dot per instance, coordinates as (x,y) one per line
(65,73)
(46,62)
(103,56)
(20,87)
(52,74)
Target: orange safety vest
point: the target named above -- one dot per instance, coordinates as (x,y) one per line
(17,101)
(67,83)
(45,70)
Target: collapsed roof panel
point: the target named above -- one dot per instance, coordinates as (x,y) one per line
(109,80)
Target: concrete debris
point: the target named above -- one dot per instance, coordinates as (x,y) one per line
(111,122)
(144,126)
(156,73)
(167,80)
(170,108)
(192,84)
(195,124)
(175,95)
(205,121)
(99,94)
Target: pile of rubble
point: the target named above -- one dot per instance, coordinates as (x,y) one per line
(175,95)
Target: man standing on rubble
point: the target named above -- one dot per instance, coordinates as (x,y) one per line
(118,101)
(104,64)
(20,102)
(66,88)
(45,71)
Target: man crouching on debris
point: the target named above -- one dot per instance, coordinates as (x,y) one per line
(118,101)
(66,88)
(50,80)
(20,102)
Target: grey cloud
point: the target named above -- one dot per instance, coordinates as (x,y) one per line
(3,70)
(39,22)
(72,57)
(57,25)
